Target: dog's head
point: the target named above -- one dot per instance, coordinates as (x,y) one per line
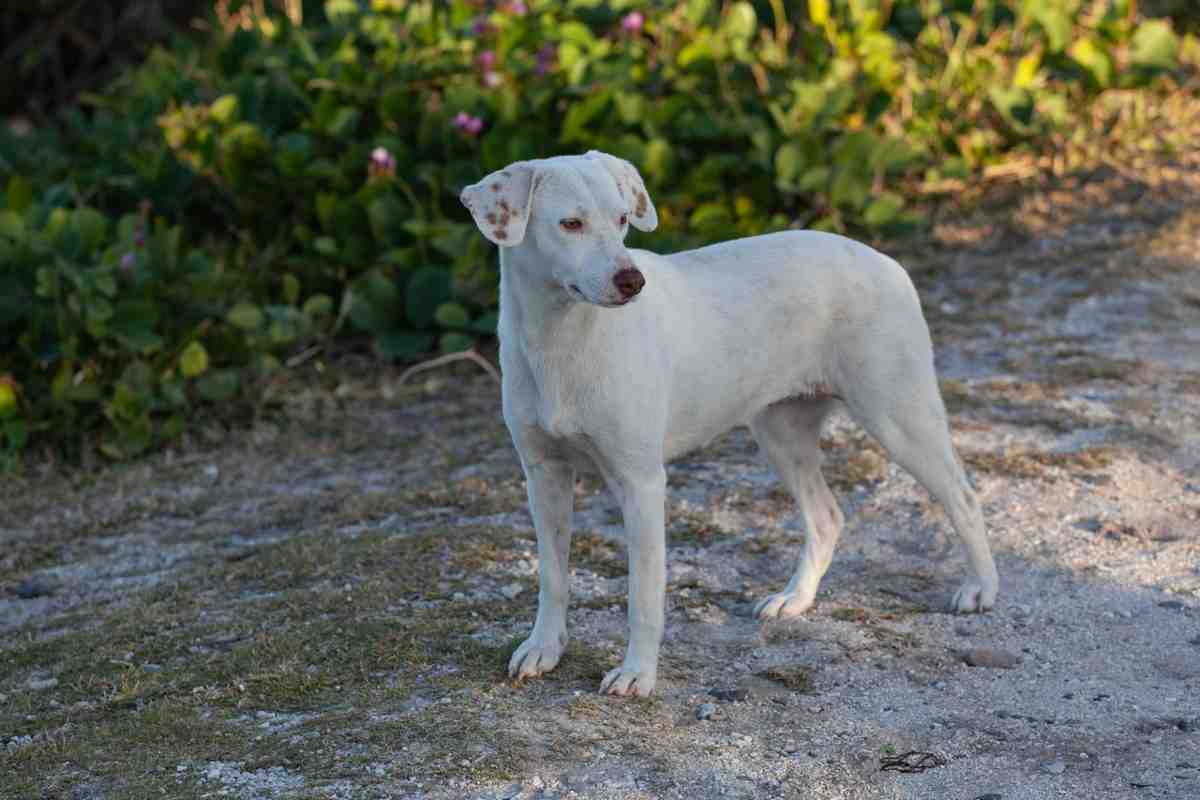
(574,211)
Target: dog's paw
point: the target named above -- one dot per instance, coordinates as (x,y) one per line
(628,682)
(972,598)
(536,656)
(783,605)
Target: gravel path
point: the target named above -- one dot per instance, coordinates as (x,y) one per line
(324,609)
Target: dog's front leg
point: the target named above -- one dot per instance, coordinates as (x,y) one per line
(643,505)
(551,485)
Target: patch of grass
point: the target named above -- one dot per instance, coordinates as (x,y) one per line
(798,679)
(598,554)
(852,461)
(1027,463)
(688,526)
(473,495)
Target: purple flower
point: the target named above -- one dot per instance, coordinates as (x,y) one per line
(487,59)
(480,26)
(492,79)
(546,58)
(468,124)
(632,22)
(128,261)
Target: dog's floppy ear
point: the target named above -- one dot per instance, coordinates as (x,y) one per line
(500,203)
(629,183)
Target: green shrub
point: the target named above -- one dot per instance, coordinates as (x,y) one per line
(243,195)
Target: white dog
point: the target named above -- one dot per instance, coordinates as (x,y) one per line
(619,360)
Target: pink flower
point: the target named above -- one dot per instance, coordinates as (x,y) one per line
(632,22)
(487,59)
(517,8)
(468,124)
(381,163)
(492,79)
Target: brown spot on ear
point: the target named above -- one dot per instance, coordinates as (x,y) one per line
(504,220)
(500,233)
(495,187)
(504,205)
(491,218)
(642,202)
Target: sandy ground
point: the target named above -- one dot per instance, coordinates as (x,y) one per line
(325,608)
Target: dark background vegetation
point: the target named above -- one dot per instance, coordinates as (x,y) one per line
(201,201)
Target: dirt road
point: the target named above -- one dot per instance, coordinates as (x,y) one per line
(324,608)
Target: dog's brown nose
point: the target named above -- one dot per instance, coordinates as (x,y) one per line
(629,282)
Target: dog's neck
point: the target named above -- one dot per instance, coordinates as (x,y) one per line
(535,316)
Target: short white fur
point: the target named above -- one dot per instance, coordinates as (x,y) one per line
(770,331)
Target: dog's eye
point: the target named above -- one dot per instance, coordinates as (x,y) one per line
(624,220)
(573,225)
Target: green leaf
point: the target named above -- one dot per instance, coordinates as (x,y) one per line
(8,398)
(291,289)
(574,127)
(404,344)
(883,210)
(456,342)
(789,160)
(343,123)
(486,323)
(740,22)
(20,194)
(224,109)
(710,215)
(1091,55)
(246,316)
(218,385)
(12,225)
(1154,45)
(1057,24)
(451,315)
(427,289)
(318,305)
(193,361)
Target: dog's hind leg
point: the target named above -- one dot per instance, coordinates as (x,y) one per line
(907,417)
(551,486)
(790,433)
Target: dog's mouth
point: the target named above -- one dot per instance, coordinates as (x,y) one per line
(578,294)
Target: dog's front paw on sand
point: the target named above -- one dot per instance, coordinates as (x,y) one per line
(628,682)
(536,656)
(973,598)
(783,605)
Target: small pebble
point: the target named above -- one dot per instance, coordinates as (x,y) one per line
(706,710)
(512,590)
(731,695)
(1056,767)
(988,657)
(37,684)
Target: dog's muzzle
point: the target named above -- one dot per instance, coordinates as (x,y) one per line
(629,282)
